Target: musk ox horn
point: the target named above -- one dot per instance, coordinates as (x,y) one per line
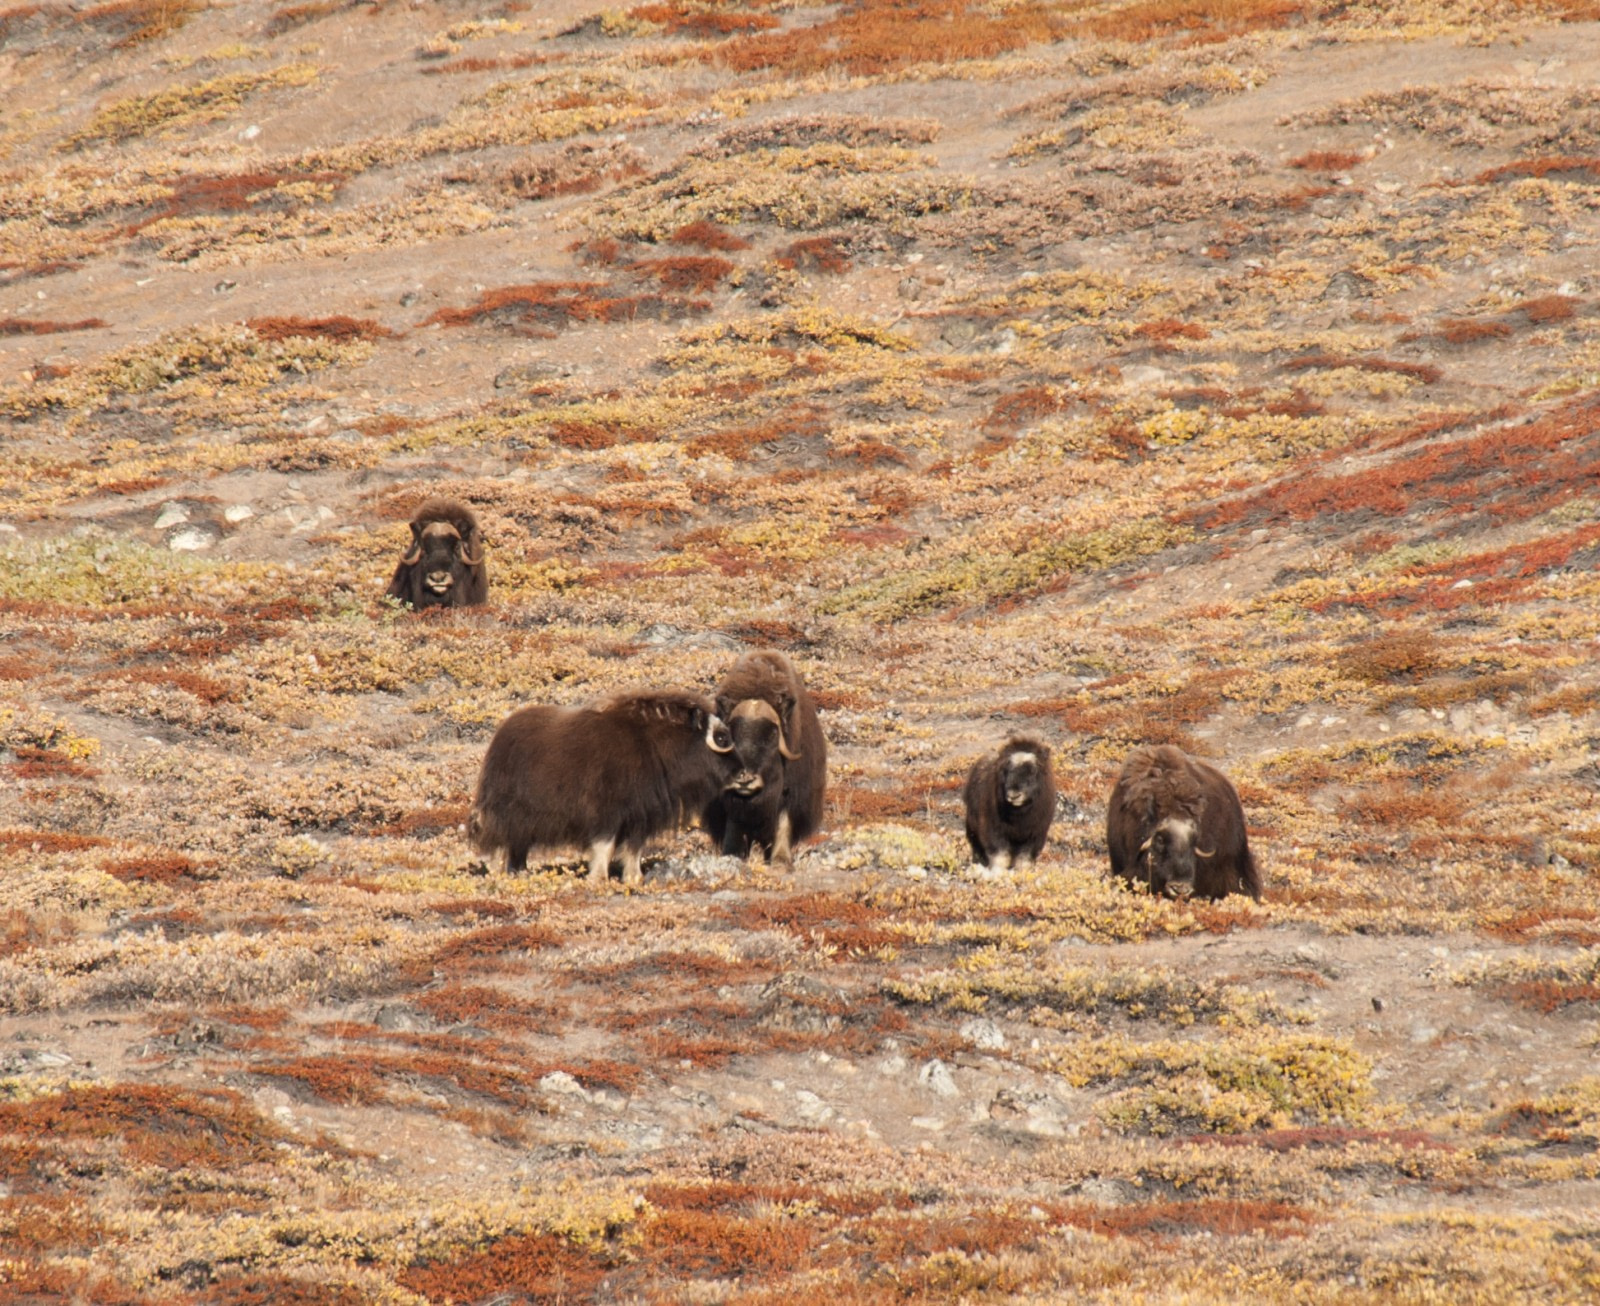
(783,748)
(1145,846)
(413,555)
(466,555)
(1205,852)
(711,736)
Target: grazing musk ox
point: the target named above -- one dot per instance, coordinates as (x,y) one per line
(443,567)
(1010,797)
(1175,824)
(598,778)
(774,797)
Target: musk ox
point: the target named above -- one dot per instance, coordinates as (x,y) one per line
(598,778)
(1010,798)
(1175,825)
(443,567)
(773,799)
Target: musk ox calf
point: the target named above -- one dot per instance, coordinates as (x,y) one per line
(443,567)
(598,778)
(1010,798)
(773,798)
(1175,825)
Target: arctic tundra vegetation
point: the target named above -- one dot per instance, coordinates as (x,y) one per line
(1207,375)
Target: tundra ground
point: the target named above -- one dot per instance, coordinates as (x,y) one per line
(1221,374)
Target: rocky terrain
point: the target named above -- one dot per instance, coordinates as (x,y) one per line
(1211,372)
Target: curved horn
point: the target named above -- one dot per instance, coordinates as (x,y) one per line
(1205,852)
(1145,846)
(711,736)
(413,556)
(783,748)
(467,557)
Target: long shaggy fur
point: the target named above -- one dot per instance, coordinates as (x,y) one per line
(736,823)
(1010,798)
(1163,784)
(619,773)
(434,551)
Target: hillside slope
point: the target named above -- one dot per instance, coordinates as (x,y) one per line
(1220,374)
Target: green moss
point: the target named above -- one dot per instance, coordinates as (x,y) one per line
(184,106)
(998,975)
(983,576)
(1244,1081)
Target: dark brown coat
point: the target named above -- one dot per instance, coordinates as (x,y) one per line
(774,797)
(1175,825)
(1010,799)
(598,778)
(443,567)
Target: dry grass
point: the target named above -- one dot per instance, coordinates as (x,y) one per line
(1088,398)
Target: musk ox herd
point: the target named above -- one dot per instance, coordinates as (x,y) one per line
(749,763)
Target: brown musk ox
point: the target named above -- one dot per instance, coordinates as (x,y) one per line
(773,799)
(1010,798)
(443,566)
(1176,826)
(598,778)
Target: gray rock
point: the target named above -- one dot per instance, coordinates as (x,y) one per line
(935,1076)
(983,1033)
(561,1084)
(193,539)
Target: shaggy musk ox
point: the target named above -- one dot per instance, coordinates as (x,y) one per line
(1010,798)
(774,797)
(1175,824)
(598,778)
(443,567)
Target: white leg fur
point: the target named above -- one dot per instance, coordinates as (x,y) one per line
(1001,861)
(632,871)
(782,852)
(600,860)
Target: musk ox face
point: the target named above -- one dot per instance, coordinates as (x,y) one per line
(442,559)
(759,749)
(1169,854)
(1019,779)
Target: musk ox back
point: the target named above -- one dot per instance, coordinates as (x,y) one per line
(1175,825)
(1010,797)
(598,778)
(773,798)
(443,566)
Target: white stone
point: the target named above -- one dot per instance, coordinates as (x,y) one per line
(172,514)
(560,1082)
(937,1079)
(238,512)
(191,540)
(982,1033)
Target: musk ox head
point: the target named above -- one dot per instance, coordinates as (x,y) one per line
(759,747)
(443,566)
(1020,779)
(440,556)
(1168,855)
